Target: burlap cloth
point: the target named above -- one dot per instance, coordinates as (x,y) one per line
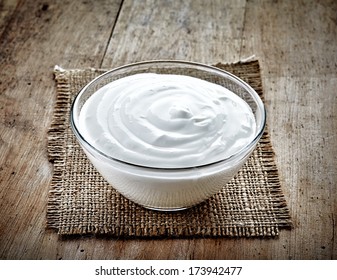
(81,202)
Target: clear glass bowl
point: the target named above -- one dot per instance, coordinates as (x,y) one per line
(169,189)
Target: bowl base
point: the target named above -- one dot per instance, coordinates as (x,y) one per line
(164,209)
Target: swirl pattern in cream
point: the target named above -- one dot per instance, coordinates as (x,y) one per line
(166,121)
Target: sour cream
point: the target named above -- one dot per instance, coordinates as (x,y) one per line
(166,121)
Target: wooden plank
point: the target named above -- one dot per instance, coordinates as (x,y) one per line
(292,38)
(203,31)
(299,66)
(36,37)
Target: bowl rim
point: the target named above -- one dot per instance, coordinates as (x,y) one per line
(205,67)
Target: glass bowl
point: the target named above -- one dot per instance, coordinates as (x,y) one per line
(169,189)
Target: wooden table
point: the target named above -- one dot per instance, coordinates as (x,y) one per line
(296,44)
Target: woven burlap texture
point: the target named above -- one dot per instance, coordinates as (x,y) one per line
(82,202)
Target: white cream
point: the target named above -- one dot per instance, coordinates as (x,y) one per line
(166,121)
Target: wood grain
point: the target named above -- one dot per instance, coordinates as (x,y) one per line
(36,37)
(295,42)
(299,75)
(204,31)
